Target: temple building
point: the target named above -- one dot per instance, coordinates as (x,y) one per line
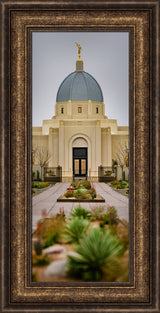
(79,138)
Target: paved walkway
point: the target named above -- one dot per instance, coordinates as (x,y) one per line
(47,200)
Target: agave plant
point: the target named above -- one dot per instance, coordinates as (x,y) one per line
(80,211)
(95,252)
(75,229)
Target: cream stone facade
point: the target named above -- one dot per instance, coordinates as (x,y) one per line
(80,122)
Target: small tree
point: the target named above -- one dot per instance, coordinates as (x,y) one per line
(42,157)
(121,155)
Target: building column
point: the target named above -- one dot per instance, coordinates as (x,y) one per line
(61,145)
(104,147)
(97,149)
(106,159)
(109,147)
(53,147)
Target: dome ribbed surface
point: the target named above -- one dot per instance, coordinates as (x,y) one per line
(79,86)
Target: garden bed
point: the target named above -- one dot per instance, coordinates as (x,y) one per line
(81,191)
(120,186)
(38,187)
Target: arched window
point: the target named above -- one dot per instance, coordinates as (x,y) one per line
(96,110)
(62,110)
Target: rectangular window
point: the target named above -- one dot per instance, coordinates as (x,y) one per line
(62,110)
(96,110)
(83,167)
(79,109)
(76,167)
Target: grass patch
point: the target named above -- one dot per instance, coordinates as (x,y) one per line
(40,185)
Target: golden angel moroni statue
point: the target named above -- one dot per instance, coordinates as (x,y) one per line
(79,49)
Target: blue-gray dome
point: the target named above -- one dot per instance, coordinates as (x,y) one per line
(79,86)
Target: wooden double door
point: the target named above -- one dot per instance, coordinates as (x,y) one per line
(80,161)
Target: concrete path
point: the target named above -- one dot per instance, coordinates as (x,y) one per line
(47,200)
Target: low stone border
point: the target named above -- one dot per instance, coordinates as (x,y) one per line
(62,199)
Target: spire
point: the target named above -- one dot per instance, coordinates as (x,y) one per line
(79,62)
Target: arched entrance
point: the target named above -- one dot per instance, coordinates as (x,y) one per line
(80,157)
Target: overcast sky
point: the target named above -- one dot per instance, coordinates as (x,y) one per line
(105,56)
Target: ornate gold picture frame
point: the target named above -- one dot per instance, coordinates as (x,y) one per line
(19,20)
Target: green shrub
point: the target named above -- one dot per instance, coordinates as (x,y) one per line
(41,260)
(106,219)
(38,178)
(51,225)
(51,173)
(101,225)
(108,173)
(69,194)
(80,191)
(113,229)
(81,184)
(111,218)
(112,215)
(80,212)
(86,196)
(83,196)
(40,185)
(97,213)
(38,247)
(93,193)
(86,184)
(79,194)
(61,215)
(75,229)
(114,182)
(75,184)
(95,251)
(51,240)
(124,182)
(120,184)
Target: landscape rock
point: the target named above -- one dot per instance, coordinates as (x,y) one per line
(73,253)
(54,249)
(56,268)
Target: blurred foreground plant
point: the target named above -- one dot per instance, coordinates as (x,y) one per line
(96,251)
(75,229)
